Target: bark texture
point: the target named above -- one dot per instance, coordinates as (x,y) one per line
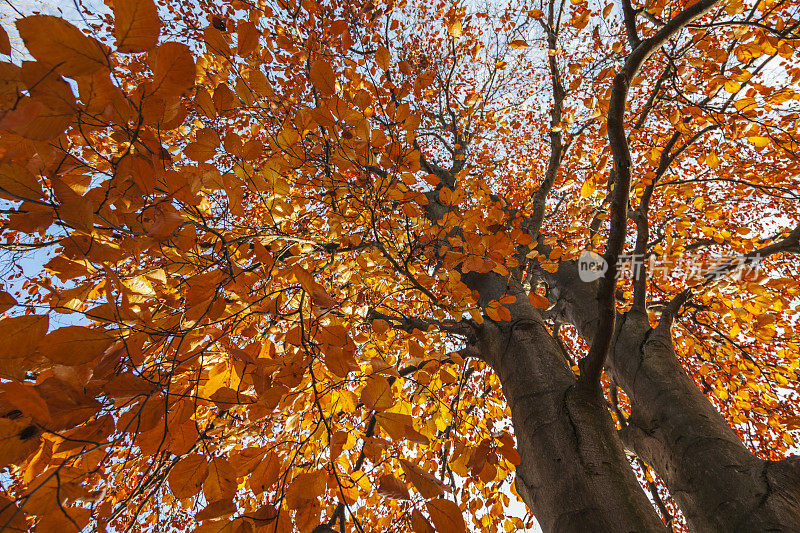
(574,474)
(716,481)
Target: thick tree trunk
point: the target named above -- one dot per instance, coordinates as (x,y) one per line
(574,474)
(716,481)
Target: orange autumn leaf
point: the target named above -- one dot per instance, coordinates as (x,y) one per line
(74,345)
(425,483)
(377,393)
(446,516)
(323,77)
(19,336)
(391,487)
(54,41)
(25,398)
(538,301)
(173,69)
(136,25)
(188,475)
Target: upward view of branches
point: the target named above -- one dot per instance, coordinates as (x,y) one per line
(310,265)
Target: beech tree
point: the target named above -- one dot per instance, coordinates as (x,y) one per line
(361,266)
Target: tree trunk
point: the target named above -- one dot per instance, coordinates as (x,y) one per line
(717,482)
(574,474)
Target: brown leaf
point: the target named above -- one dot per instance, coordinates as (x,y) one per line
(221,481)
(393,488)
(25,398)
(427,485)
(20,335)
(173,69)
(323,77)
(6,302)
(446,516)
(5,44)
(136,25)
(265,474)
(55,41)
(420,524)
(216,509)
(19,183)
(380,326)
(75,345)
(247,35)
(187,476)
(305,488)
(377,394)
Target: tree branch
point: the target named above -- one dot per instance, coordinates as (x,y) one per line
(592,366)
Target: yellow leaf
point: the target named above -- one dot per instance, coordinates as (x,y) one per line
(472,99)
(758,141)
(55,41)
(712,160)
(454,29)
(399,426)
(75,345)
(745,104)
(323,77)
(536,13)
(732,86)
(136,25)
(519,44)
(20,335)
(587,189)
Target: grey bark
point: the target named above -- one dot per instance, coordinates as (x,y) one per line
(574,474)
(717,482)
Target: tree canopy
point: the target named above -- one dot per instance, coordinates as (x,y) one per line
(276,264)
